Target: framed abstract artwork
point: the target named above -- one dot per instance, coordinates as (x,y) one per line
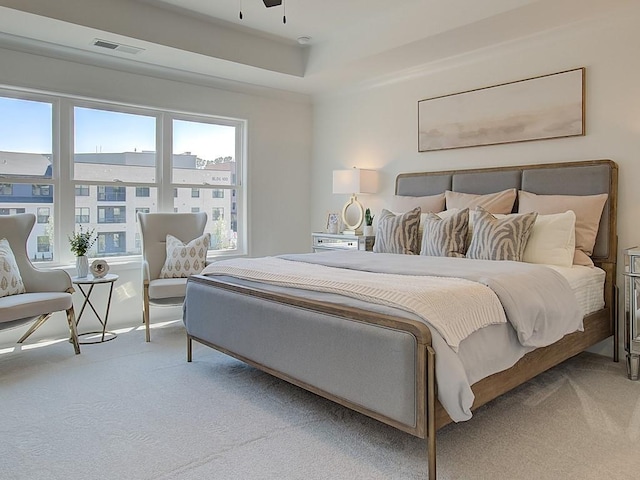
(549,106)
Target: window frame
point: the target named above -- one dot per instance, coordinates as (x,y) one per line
(64,184)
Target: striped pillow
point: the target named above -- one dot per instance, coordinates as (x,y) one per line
(445,237)
(500,239)
(398,233)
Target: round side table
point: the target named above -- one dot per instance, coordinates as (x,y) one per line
(91,281)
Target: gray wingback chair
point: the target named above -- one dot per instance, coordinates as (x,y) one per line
(47,291)
(154,228)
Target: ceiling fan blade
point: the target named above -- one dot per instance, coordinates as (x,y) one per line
(272,3)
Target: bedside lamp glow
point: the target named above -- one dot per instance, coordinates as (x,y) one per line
(354,182)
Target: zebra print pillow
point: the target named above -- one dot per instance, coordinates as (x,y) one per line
(398,233)
(445,237)
(500,239)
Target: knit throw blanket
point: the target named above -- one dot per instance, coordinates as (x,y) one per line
(455,307)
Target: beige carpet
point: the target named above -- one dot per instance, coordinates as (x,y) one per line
(130,410)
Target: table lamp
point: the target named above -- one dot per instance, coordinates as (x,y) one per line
(354,182)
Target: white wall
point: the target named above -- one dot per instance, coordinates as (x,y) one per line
(279,154)
(376,126)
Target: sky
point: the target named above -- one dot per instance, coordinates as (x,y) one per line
(26,126)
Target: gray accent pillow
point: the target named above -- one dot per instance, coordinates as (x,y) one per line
(445,237)
(398,233)
(500,238)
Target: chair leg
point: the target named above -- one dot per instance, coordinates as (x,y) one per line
(145,312)
(34,326)
(73,332)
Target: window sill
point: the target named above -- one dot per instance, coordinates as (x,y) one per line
(123,264)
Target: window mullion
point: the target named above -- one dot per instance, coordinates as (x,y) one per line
(165,147)
(64,191)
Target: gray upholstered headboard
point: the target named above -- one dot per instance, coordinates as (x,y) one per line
(575,178)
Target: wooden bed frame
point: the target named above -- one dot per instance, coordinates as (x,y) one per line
(430,414)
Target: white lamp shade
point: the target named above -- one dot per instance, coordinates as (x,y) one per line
(355,180)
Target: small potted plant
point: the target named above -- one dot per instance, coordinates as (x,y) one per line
(368,223)
(80,243)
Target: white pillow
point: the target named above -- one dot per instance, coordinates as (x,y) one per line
(552,240)
(184,260)
(10,279)
(443,215)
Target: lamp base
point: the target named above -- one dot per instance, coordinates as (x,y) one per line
(352,227)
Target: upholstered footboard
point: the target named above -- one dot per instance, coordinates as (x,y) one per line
(372,363)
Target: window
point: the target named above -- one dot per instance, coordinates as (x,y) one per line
(82,190)
(44,245)
(82,214)
(141,210)
(114,169)
(43,214)
(12,211)
(204,158)
(41,190)
(112,215)
(217,214)
(111,243)
(112,194)
(26,153)
(195,209)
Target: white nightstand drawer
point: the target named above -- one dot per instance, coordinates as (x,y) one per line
(330,241)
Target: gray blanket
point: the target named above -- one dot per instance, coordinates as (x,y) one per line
(537,300)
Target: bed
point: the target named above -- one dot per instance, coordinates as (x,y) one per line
(380,361)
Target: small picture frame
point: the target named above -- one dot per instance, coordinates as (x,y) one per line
(333,222)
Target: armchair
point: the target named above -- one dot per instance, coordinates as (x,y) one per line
(47,291)
(154,228)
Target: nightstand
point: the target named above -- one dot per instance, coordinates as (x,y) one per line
(632,303)
(337,241)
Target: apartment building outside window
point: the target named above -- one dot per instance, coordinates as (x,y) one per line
(113,166)
(142,210)
(111,242)
(82,190)
(44,245)
(41,190)
(112,214)
(112,194)
(12,211)
(43,214)
(82,215)
(142,192)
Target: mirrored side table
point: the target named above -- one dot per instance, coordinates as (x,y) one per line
(90,281)
(631,313)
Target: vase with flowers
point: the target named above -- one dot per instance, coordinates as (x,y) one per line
(80,243)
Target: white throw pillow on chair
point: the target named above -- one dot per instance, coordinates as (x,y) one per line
(184,260)
(10,279)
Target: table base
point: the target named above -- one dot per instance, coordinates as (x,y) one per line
(103,337)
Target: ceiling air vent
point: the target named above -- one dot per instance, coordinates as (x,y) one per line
(117,46)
